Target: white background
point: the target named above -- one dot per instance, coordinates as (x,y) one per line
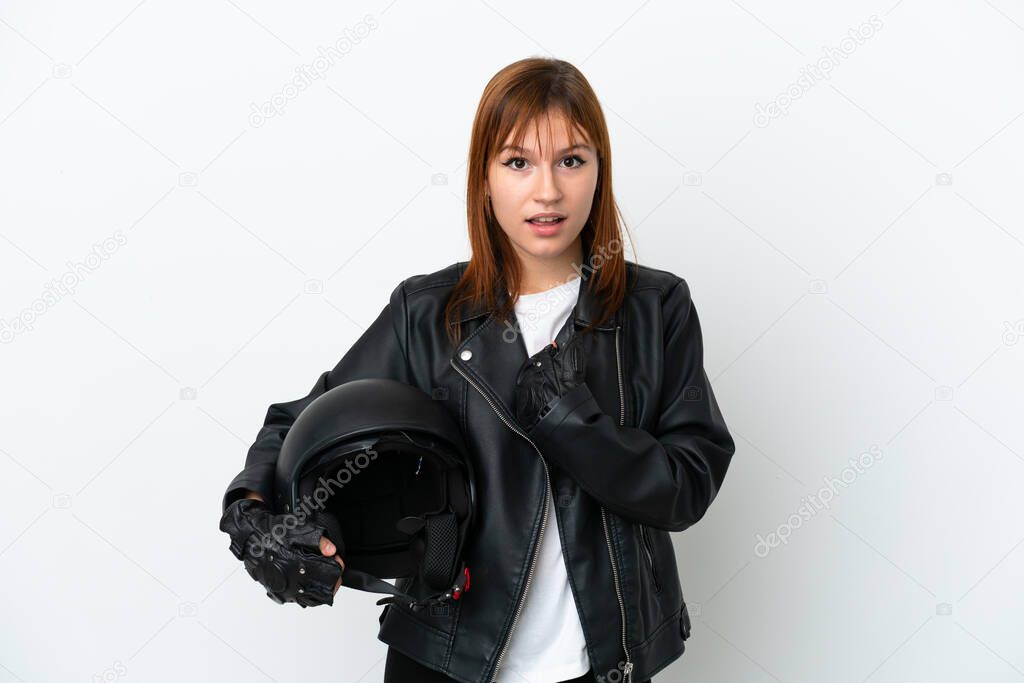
(851,297)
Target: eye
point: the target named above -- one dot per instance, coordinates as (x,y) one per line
(511,161)
(577,158)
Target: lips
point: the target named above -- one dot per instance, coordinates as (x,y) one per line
(547,228)
(546,219)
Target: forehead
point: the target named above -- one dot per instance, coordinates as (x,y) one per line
(551,131)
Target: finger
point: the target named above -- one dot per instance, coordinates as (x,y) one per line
(326,547)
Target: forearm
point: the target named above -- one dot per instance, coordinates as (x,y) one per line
(667,483)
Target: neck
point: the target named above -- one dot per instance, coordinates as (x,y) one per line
(539,275)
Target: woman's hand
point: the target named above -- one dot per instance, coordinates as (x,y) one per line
(329,550)
(289,558)
(326,547)
(547,376)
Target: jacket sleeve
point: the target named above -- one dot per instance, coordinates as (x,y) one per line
(379,353)
(666,478)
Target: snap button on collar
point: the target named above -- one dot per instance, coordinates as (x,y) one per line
(466,354)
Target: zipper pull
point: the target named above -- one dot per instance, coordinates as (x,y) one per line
(627,672)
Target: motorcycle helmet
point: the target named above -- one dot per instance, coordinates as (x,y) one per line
(385,469)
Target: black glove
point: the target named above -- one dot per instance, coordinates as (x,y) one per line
(548,375)
(286,559)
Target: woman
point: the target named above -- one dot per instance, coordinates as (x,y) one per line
(577,378)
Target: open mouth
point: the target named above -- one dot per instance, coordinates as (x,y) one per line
(546,221)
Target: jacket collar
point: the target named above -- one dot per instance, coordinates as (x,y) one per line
(492,353)
(586,310)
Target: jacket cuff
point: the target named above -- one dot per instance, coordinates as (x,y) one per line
(577,397)
(258,478)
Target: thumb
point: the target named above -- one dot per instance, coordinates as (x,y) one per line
(326,547)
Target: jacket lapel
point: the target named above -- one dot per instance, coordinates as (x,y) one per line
(494,352)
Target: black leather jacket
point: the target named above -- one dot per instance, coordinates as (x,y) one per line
(637,451)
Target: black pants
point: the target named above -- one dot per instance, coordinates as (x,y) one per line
(400,669)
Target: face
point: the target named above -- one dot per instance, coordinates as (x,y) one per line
(525,185)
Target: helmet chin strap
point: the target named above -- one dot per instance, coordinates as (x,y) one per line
(353,578)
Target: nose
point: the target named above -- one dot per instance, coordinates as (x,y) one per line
(547,190)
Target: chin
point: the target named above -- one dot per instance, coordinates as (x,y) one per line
(545,247)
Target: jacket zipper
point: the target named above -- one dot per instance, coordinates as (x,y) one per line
(540,534)
(627,671)
(650,554)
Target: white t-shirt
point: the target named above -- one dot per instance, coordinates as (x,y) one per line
(547,644)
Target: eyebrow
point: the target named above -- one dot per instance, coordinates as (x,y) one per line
(517,148)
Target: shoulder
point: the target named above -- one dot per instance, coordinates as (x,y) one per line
(437,281)
(426,292)
(653,289)
(648,281)
(433,286)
